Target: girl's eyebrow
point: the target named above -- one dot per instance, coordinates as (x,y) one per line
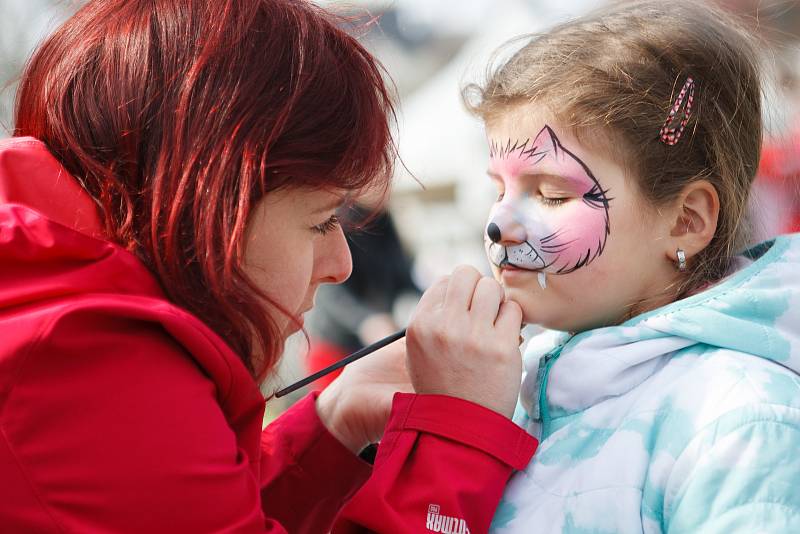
(498,149)
(575,182)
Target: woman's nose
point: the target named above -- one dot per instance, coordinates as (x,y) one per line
(337,263)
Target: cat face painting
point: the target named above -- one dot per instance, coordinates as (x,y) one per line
(569,236)
(545,230)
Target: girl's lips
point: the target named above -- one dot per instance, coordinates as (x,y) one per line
(509,267)
(517,276)
(509,271)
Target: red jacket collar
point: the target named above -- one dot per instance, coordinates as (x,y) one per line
(51,241)
(32,177)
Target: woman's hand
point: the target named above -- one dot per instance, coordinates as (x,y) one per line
(463,341)
(376,327)
(356,406)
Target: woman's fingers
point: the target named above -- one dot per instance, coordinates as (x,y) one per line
(433,298)
(461,287)
(486,301)
(465,293)
(509,319)
(463,342)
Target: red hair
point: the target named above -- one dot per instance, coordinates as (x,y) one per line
(177,115)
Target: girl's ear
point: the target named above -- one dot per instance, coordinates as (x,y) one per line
(696,215)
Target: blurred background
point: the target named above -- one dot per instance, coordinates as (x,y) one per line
(441,196)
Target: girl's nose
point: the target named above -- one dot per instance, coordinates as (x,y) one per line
(510,233)
(493,231)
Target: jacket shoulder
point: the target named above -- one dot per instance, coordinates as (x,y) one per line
(721,380)
(108,410)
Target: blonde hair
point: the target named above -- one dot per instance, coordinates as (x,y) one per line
(621,69)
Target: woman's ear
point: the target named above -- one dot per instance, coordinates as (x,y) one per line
(696,215)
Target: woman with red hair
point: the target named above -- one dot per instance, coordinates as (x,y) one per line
(167,212)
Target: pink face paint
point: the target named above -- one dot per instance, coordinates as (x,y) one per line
(524,231)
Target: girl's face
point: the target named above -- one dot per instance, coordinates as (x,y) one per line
(569,236)
(294,244)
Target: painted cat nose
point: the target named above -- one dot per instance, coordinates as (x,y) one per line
(493,231)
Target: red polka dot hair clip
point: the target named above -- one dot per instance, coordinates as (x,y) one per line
(679,114)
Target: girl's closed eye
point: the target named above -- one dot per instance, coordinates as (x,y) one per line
(552,192)
(331,224)
(552,201)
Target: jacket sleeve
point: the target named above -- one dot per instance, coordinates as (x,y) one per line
(304,468)
(113,428)
(738,475)
(441,467)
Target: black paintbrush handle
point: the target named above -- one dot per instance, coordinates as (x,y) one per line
(341,363)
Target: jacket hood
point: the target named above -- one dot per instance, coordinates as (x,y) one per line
(51,242)
(755,311)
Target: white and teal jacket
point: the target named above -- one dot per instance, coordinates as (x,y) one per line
(685,419)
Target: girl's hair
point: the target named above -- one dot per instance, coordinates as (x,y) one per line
(620,71)
(178,115)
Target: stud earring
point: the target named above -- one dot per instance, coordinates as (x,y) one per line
(681,259)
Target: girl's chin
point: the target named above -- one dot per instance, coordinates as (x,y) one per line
(538,307)
(524,288)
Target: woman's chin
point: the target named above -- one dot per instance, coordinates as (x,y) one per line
(293,327)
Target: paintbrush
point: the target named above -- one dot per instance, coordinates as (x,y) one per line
(341,363)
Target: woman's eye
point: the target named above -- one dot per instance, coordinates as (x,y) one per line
(328,226)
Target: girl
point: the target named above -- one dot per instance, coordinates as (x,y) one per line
(665,391)
(167,213)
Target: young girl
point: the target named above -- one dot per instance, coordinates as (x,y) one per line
(665,392)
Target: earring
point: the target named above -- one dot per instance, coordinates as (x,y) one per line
(681,259)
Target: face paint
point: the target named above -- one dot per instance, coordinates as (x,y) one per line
(553,214)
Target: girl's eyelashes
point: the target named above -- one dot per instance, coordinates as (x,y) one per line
(547,201)
(550,201)
(328,226)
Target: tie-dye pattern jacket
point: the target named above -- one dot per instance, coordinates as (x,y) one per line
(685,419)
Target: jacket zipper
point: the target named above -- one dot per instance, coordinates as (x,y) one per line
(542,375)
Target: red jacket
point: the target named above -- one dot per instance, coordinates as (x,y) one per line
(120,412)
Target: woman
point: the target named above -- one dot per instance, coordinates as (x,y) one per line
(167,212)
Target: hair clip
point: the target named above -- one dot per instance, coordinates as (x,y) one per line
(671,132)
